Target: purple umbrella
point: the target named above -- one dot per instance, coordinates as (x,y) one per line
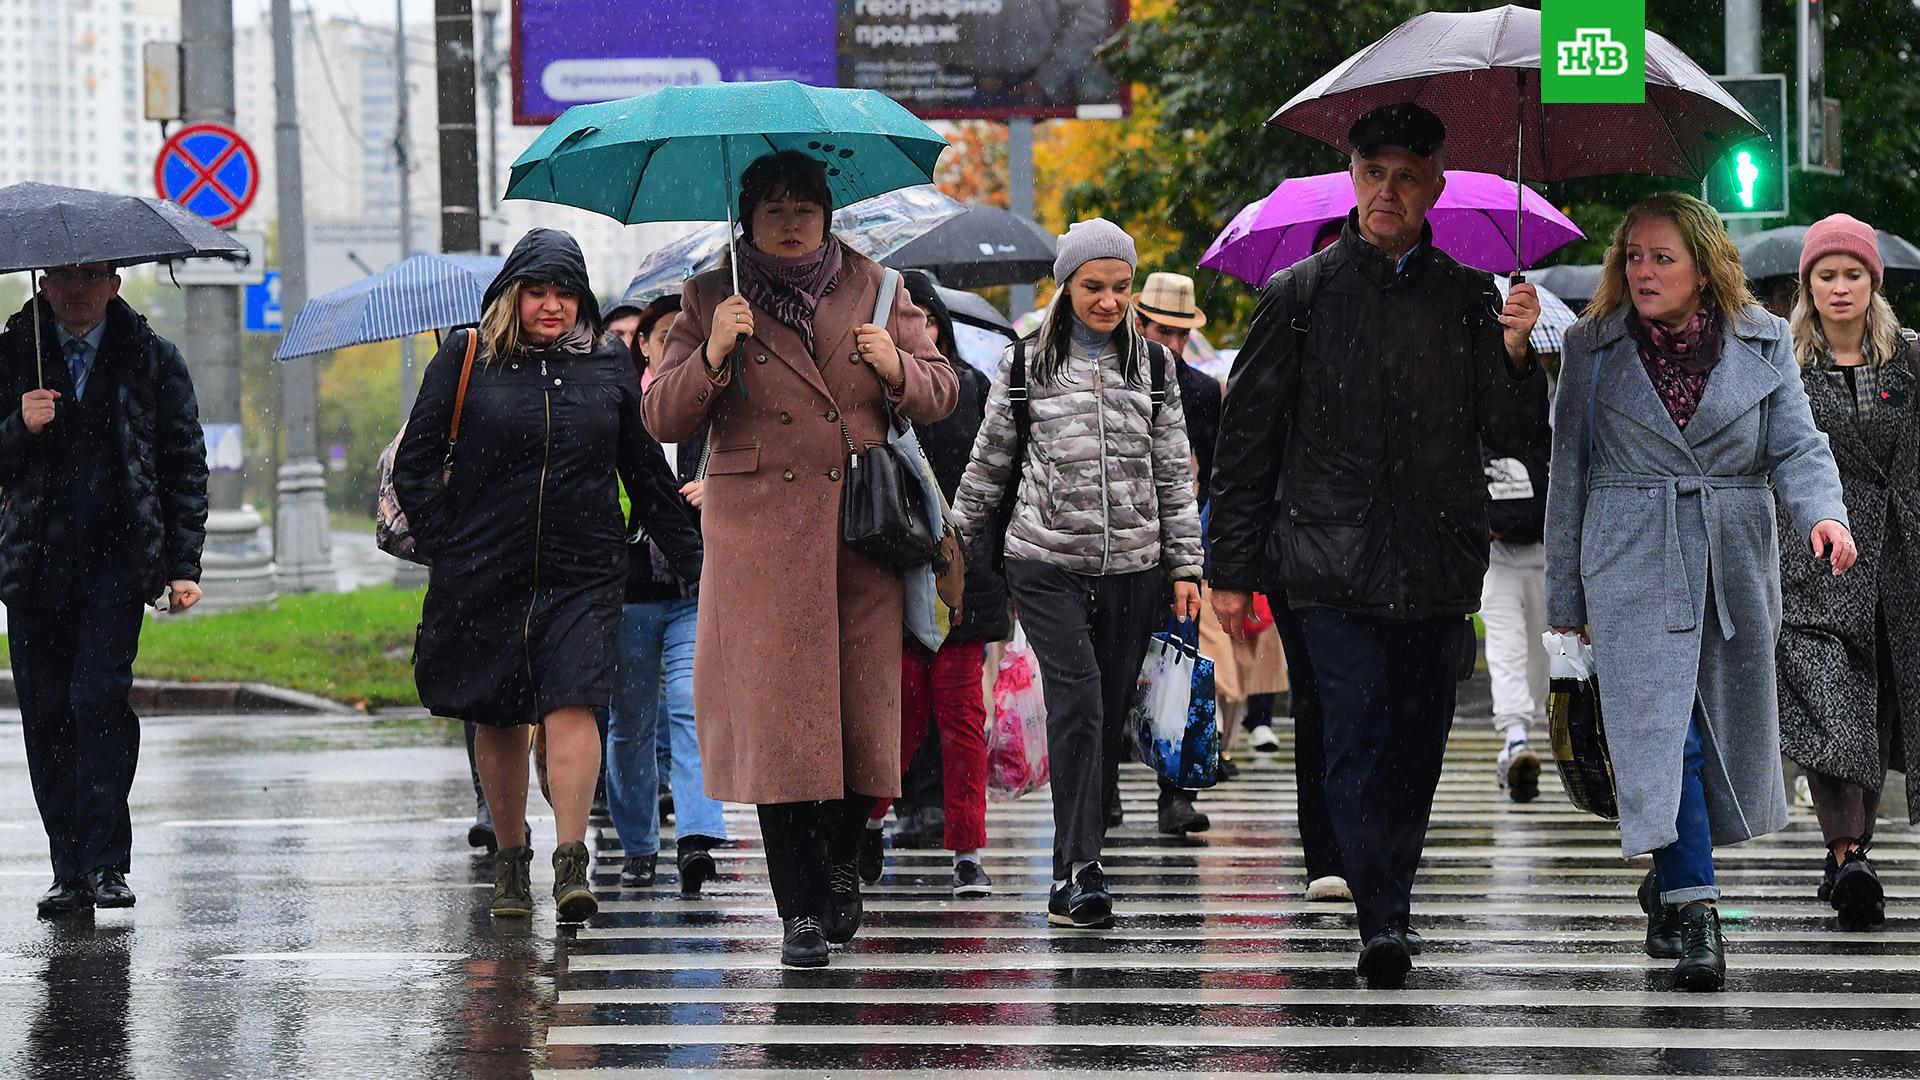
(1473,222)
(1479,71)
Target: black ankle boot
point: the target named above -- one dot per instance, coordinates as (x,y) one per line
(1858,896)
(696,864)
(804,945)
(1703,959)
(1663,932)
(844,909)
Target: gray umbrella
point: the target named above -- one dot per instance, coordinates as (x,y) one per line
(982,247)
(974,309)
(42,226)
(1479,72)
(1775,253)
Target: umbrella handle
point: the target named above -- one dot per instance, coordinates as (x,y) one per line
(1519,167)
(33,306)
(737,358)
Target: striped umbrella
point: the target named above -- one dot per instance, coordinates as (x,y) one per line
(413,296)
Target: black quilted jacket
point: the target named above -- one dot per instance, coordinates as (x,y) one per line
(158,423)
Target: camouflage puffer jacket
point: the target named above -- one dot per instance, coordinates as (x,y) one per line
(1106,488)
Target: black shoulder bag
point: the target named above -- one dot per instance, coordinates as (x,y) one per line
(883,510)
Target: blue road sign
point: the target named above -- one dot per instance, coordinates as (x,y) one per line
(263,305)
(210,170)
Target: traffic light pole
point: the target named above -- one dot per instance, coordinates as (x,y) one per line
(1743,58)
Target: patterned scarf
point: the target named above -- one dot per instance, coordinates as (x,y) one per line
(790,289)
(1679,361)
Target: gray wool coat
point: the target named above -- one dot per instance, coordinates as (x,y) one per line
(1833,684)
(1662,542)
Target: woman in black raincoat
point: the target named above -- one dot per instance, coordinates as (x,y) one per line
(521,520)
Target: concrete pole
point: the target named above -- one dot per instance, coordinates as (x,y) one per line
(490,87)
(237,566)
(303,539)
(459,146)
(403,167)
(1020,196)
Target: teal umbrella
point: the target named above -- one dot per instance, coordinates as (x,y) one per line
(677,154)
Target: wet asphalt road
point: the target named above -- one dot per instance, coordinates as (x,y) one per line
(308,908)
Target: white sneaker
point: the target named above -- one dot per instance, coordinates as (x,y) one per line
(1328,890)
(1264,740)
(1518,770)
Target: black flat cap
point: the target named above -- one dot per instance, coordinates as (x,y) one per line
(1401,124)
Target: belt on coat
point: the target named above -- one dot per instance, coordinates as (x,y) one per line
(1679,596)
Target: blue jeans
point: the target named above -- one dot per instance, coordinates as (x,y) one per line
(1685,867)
(656,680)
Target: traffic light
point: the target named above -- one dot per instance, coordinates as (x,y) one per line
(1750,180)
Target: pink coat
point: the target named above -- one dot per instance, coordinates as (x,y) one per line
(797,659)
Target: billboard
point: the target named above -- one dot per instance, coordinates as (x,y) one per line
(944,59)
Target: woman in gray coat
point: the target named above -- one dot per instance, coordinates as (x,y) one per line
(1848,710)
(1680,415)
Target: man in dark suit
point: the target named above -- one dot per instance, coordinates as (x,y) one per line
(105,468)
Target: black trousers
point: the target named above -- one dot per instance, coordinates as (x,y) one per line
(1388,689)
(1090,635)
(73,670)
(1318,843)
(802,839)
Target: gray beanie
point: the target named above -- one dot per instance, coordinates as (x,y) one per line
(1085,241)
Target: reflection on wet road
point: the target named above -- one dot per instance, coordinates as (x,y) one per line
(308,908)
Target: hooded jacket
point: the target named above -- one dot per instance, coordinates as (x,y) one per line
(157,421)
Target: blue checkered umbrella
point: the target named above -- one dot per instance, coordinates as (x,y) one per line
(1556,318)
(413,296)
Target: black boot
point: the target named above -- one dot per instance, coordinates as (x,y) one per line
(1857,893)
(1115,813)
(843,901)
(1703,960)
(639,871)
(696,864)
(1663,932)
(1385,960)
(1829,869)
(804,945)
(573,898)
(1177,816)
(873,843)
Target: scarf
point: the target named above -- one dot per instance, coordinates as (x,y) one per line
(577,341)
(1679,361)
(790,289)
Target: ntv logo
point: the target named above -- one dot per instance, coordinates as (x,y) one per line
(1592,52)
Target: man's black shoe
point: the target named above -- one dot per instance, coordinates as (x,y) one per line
(109,888)
(696,865)
(970,880)
(1857,893)
(1116,814)
(1083,903)
(1663,932)
(804,945)
(1177,815)
(873,854)
(639,871)
(480,834)
(1415,943)
(843,902)
(1829,869)
(1385,960)
(64,898)
(1703,959)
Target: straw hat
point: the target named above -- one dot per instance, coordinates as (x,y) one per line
(1168,300)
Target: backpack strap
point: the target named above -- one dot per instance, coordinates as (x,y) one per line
(1017,402)
(1157,377)
(460,402)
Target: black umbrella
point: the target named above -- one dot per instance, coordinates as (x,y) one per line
(1573,282)
(984,246)
(44,225)
(974,310)
(1479,72)
(1775,253)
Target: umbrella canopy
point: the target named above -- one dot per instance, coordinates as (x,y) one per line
(44,225)
(677,154)
(1479,71)
(413,296)
(982,247)
(1572,282)
(1776,253)
(875,227)
(979,327)
(1556,317)
(1473,222)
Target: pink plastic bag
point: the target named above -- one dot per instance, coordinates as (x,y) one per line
(1017,740)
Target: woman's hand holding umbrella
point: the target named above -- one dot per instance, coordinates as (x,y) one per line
(732,324)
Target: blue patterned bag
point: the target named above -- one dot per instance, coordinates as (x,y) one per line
(1172,720)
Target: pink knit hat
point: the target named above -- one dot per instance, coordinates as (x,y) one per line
(1842,234)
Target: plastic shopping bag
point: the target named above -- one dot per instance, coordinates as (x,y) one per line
(1173,710)
(1579,736)
(1017,740)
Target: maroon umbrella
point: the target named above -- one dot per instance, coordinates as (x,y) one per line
(1479,72)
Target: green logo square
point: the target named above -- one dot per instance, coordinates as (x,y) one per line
(1593,51)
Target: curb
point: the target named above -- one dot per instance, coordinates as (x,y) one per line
(152,697)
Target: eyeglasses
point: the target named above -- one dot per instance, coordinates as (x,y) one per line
(77,275)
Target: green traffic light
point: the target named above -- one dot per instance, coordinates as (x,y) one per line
(1749,175)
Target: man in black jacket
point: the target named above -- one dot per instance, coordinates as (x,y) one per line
(1348,478)
(105,469)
